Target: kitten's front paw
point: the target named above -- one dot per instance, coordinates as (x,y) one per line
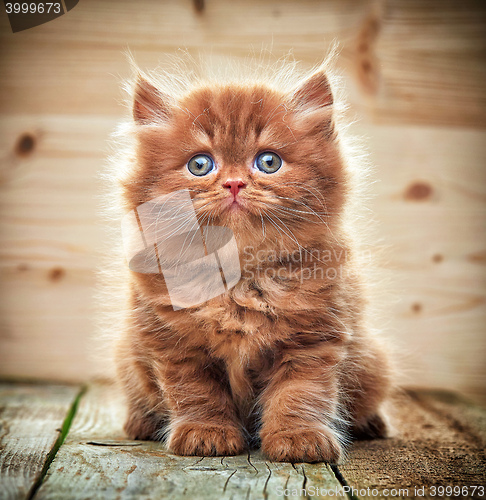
(205,440)
(301,445)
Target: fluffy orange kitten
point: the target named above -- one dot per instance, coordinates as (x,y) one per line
(282,358)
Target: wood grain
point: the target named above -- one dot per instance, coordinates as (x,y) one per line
(419,64)
(50,244)
(438,440)
(96,461)
(407,60)
(430,448)
(434,260)
(461,413)
(31,417)
(433,287)
(415,76)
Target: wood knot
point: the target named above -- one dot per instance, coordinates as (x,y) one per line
(478,257)
(363,46)
(25,144)
(416,307)
(367,63)
(437,258)
(199,6)
(56,273)
(371,28)
(418,191)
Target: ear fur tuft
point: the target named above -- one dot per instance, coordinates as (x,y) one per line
(149,104)
(314,92)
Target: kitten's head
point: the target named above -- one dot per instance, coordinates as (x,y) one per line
(261,160)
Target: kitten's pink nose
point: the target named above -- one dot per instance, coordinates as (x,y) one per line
(234,185)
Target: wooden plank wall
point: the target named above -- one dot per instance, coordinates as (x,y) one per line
(416,77)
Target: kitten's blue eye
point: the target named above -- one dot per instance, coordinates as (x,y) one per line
(268,162)
(200,165)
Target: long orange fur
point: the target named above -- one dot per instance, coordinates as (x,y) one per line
(282,360)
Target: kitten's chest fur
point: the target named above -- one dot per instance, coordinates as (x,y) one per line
(249,328)
(256,316)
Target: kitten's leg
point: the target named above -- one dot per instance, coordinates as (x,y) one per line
(144,424)
(203,417)
(147,414)
(366,380)
(373,427)
(300,407)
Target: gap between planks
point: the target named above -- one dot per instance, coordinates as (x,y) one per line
(91,458)
(66,425)
(96,457)
(32,422)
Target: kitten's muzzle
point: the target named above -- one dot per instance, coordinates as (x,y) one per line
(234,185)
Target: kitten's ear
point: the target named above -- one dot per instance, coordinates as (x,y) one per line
(150,104)
(314,92)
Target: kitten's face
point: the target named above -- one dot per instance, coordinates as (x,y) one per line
(255,160)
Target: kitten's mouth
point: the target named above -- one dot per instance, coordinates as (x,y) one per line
(233,203)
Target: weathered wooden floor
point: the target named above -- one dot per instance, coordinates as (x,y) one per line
(66,442)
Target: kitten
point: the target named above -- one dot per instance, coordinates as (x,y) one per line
(283,358)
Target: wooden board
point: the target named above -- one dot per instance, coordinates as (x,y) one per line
(96,461)
(429,202)
(415,75)
(425,65)
(31,418)
(434,260)
(406,60)
(439,441)
(49,246)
